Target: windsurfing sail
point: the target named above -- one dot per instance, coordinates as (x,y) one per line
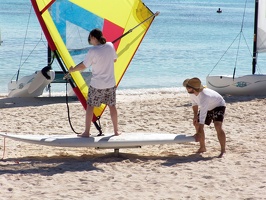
(66,25)
(259,44)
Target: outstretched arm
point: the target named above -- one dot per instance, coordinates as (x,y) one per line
(79,67)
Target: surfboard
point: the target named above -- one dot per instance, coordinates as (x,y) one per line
(125,140)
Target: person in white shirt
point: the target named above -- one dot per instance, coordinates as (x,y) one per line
(207,106)
(102,89)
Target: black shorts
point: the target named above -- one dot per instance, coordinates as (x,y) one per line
(216,114)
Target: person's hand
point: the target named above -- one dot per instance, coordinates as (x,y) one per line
(197,137)
(195,121)
(71,69)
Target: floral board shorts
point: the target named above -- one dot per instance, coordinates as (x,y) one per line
(98,96)
(216,114)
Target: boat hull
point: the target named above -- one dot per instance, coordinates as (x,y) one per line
(239,86)
(30,86)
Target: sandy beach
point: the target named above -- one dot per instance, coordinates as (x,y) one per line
(160,172)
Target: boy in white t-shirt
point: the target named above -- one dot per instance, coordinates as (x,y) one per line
(207,106)
(102,89)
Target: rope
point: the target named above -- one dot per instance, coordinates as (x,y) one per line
(23,47)
(68,113)
(98,126)
(24,43)
(224,54)
(238,35)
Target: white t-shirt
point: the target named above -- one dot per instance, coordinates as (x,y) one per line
(207,100)
(101,59)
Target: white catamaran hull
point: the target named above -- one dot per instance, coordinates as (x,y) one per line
(30,86)
(243,85)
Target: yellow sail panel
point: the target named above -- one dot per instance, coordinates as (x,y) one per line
(115,10)
(130,43)
(118,11)
(126,14)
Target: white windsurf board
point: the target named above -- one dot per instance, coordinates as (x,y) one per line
(124,140)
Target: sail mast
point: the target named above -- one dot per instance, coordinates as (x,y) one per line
(254,61)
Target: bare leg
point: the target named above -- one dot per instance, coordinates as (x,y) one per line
(89,116)
(202,142)
(114,118)
(200,137)
(221,137)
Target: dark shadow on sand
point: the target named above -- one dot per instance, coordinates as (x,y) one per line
(48,166)
(235,99)
(167,160)
(33,101)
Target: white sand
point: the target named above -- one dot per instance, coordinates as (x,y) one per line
(151,172)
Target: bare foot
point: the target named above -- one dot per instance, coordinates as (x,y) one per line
(201,150)
(116,134)
(84,135)
(221,155)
